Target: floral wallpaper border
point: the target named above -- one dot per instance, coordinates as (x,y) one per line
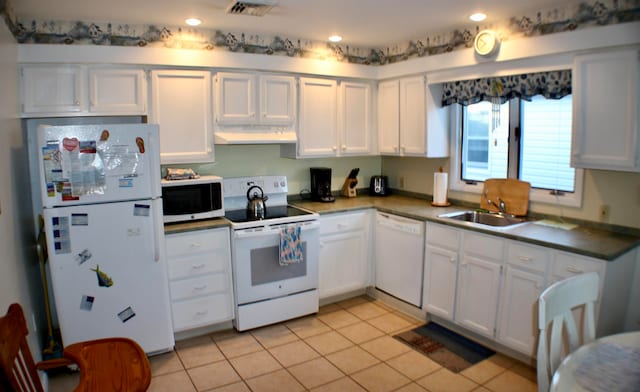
(568,17)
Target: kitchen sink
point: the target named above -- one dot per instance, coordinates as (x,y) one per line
(485,218)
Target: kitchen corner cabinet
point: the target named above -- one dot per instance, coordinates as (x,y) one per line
(181,105)
(411,121)
(606,118)
(255,99)
(344,253)
(70,90)
(200,284)
(499,281)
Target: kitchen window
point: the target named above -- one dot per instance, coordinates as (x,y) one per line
(529,140)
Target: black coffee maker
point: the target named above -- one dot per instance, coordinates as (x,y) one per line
(321,184)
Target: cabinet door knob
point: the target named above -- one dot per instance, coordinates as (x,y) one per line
(525,259)
(452,259)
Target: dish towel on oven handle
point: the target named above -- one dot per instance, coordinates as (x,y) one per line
(290,245)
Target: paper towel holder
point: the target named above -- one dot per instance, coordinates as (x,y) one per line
(433,203)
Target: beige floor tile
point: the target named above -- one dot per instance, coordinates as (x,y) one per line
(525,371)
(315,372)
(509,381)
(274,335)
(413,364)
(344,384)
(338,319)
(235,387)
(482,371)
(347,303)
(385,347)
(198,351)
(444,380)
(481,389)
(237,344)
(212,376)
(367,310)
(178,381)
(380,378)
(413,387)
(307,326)
(328,308)
(165,363)
(328,343)
(279,381)
(255,364)
(293,353)
(360,332)
(502,360)
(352,360)
(390,323)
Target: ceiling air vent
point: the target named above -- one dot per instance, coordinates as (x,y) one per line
(250,7)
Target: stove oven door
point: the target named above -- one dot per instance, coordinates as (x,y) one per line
(258,273)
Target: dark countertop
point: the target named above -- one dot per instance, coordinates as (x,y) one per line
(584,240)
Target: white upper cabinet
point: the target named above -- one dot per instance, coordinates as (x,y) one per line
(411,120)
(181,105)
(248,98)
(354,104)
(605,111)
(116,91)
(69,90)
(318,129)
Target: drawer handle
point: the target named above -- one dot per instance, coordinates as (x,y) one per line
(202,313)
(195,245)
(342,226)
(201,287)
(525,259)
(574,269)
(197,266)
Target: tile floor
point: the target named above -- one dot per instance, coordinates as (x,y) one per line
(347,346)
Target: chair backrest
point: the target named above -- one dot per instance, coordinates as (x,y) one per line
(18,368)
(555,306)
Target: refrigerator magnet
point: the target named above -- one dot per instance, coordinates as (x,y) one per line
(104,136)
(88,147)
(79,219)
(141,210)
(83,256)
(103,279)
(126,182)
(86,303)
(126,314)
(140,143)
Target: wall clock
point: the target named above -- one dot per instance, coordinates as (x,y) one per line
(486,43)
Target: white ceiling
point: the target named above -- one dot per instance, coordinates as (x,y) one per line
(362,23)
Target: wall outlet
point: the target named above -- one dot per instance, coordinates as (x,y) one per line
(604,212)
(401,182)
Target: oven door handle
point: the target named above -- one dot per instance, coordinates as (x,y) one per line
(270,230)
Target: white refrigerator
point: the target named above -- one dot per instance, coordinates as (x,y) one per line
(102,208)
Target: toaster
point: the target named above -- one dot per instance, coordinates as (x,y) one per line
(379,186)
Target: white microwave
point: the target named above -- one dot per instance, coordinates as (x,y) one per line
(192,199)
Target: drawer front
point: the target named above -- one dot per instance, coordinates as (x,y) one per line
(196,287)
(198,265)
(566,265)
(530,257)
(482,245)
(194,242)
(202,311)
(442,236)
(343,222)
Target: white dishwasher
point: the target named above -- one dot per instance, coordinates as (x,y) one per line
(399,257)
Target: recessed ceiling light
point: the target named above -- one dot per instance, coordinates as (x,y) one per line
(478,16)
(335,38)
(193,21)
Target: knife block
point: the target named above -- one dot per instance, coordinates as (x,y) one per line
(349,188)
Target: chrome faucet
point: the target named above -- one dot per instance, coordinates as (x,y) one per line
(501,206)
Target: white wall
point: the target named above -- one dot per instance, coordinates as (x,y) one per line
(18,265)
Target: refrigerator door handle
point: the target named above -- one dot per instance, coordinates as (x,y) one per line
(158,228)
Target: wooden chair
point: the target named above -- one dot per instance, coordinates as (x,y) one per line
(555,306)
(112,364)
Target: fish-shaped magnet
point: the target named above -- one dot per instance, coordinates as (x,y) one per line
(103,279)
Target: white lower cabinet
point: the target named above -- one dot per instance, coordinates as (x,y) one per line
(200,278)
(344,253)
(440,270)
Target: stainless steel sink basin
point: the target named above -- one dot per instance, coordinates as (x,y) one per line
(485,218)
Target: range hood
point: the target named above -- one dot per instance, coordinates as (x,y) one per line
(264,136)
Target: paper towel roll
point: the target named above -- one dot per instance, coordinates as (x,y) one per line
(440,183)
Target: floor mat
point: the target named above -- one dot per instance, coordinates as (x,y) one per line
(449,349)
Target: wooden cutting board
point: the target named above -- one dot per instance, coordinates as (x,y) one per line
(515,194)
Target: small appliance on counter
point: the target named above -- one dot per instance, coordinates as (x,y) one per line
(321,184)
(349,186)
(379,186)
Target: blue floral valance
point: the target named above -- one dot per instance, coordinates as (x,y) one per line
(552,85)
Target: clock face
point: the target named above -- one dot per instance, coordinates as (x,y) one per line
(485,43)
